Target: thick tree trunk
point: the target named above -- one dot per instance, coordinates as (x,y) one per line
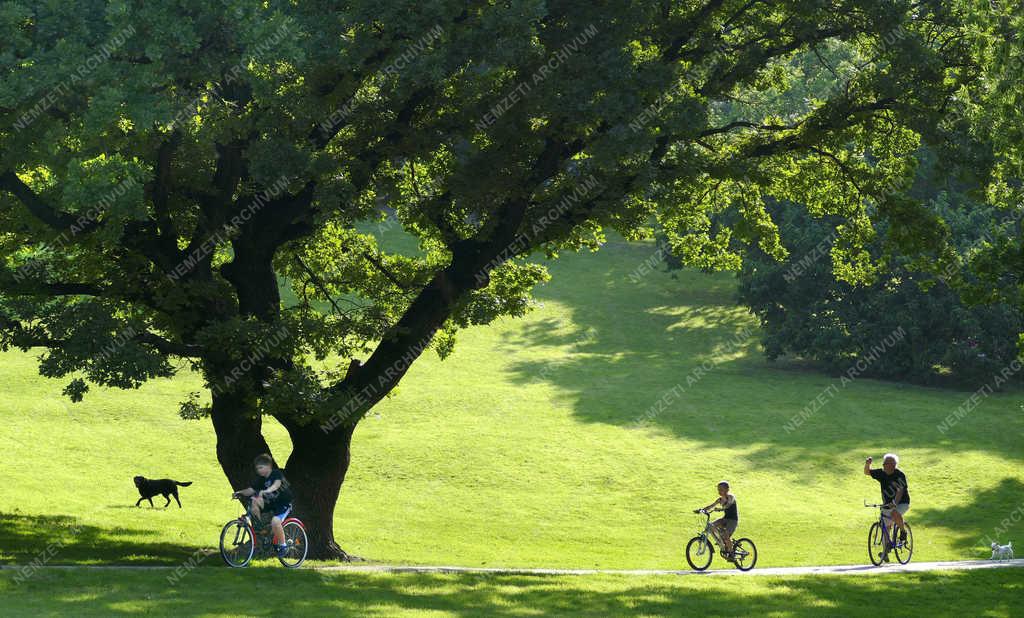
(316,470)
(239,436)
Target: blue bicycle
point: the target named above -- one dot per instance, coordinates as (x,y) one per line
(884,538)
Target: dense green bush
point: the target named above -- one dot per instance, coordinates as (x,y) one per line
(805,311)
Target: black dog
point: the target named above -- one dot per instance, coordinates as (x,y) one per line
(151,487)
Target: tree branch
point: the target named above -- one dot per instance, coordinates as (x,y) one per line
(689,27)
(164,346)
(372,259)
(159,192)
(22,337)
(750,125)
(315,280)
(20,284)
(42,211)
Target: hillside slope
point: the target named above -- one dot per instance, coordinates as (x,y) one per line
(580,436)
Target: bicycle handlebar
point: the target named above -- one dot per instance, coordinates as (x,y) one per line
(245,501)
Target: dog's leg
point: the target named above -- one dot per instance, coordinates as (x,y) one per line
(150,501)
(168,499)
(139,501)
(175,494)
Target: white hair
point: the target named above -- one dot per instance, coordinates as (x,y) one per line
(893,456)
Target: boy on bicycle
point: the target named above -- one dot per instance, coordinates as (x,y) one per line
(726,525)
(270,491)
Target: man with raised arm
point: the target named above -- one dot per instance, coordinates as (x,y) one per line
(895,493)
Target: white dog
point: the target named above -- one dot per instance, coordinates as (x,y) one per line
(1002,552)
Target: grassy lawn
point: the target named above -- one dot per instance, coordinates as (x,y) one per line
(270,591)
(523,449)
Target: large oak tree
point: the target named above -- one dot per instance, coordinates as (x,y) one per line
(163,165)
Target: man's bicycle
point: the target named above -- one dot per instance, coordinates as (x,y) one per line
(699,550)
(241,540)
(882,539)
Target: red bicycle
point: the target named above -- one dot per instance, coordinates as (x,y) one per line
(241,541)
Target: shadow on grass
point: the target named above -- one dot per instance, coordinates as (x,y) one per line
(676,354)
(62,539)
(223,592)
(993,515)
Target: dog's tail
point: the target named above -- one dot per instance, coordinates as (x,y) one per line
(183,484)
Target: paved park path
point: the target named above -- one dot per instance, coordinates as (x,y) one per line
(855,569)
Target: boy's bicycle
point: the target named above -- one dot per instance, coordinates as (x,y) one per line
(241,541)
(882,539)
(699,550)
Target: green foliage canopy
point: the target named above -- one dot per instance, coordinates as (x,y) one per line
(233,142)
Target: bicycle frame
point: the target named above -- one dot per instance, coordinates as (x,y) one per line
(262,541)
(247,518)
(700,550)
(248,524)
(711,531)
(889,541)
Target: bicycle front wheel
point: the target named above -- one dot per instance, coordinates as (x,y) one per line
(903,549)
(876,544)
(744,554)
(298,544)
(698,553)
(236,544)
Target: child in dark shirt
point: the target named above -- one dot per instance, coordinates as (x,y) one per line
(730,519)
(270,492)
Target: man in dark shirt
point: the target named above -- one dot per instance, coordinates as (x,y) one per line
(895,493)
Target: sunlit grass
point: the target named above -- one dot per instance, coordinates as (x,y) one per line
(523,448)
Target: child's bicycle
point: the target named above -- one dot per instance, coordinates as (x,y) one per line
(241,541)
(882,539)
(699,550)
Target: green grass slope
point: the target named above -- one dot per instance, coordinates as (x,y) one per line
(580,436)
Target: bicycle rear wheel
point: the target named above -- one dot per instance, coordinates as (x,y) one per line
(236,544)
(903,549)
(876,544)
(298,544)
(744,554)
(698,553)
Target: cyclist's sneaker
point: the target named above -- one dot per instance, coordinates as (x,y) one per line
(885,557)
(903,535)
(282,550)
